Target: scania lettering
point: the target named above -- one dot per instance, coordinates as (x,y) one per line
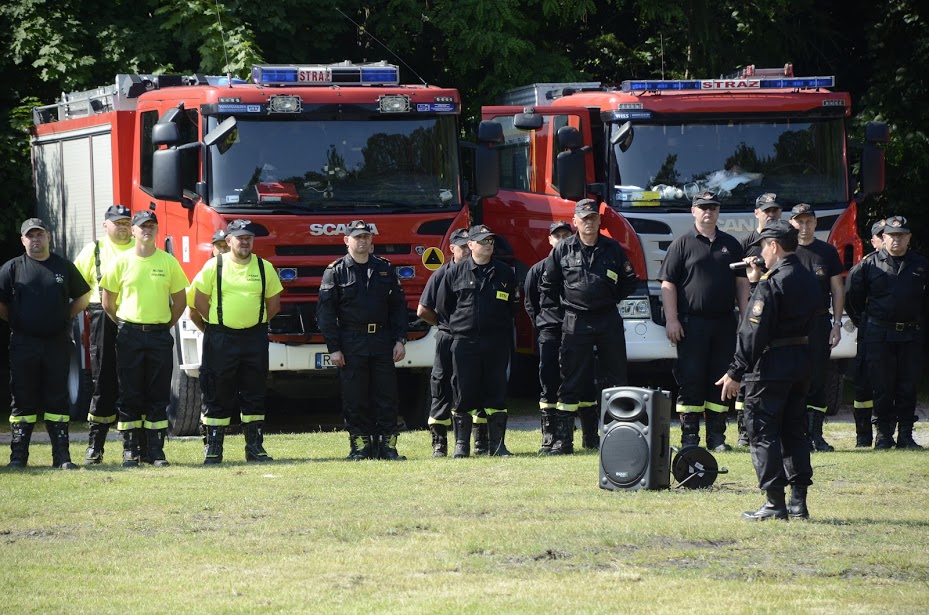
(334,229)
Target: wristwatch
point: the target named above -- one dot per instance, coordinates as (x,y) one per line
(837,323)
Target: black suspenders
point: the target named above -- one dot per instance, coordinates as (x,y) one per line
(219,289)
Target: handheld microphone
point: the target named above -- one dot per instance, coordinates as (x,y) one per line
(743,265)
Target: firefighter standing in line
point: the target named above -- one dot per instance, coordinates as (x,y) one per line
(92,262)
(822,259)
(144,293)
(40,293)
(546,320)
(441,380)
(219,246)
(241,293)
(766,209)
(362,316)
(588,274)
(772,365)
(864,397)
(478,297)
(888,295)
(699,292)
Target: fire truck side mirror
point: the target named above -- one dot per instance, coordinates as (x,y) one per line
(622,136)
(877,132)
(528,121)
(572,174)
(487,159)
(166,134)
(166,175)
(569,138)
(872,158)
(490,132)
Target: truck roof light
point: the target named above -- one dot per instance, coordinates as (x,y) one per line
(342,73)
(393,104)
(284,104)
(736,84)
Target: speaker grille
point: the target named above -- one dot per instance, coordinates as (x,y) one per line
(624,454)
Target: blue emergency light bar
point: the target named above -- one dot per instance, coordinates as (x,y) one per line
(342,73)
(741,84)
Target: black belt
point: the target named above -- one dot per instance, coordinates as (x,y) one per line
(897,326)
(262,326)
(802,340)
(94,307)
(371,327)
(134,325)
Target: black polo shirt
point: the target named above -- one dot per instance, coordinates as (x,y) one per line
(822,259)
(430,292)
(39,293)
(747,248)
(700,270)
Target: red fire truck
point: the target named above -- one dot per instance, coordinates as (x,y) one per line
(644,148)
(299,151)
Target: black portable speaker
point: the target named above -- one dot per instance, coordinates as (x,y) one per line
(635,451)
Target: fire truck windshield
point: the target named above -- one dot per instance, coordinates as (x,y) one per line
(666,164)
(304,164)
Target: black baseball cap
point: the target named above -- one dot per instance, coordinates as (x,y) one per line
(705,200)
(877,228)
(117,212)
(896,225)
(357,227)
(776,229)
(218,236)
(802,209)
(766,201)
(586,207)
(141,217)
(557,226)
(459,237)
(32,223)
(239,227)
(479,232)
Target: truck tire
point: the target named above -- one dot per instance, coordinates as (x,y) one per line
(833,387)
(415,398)
(184,409)
(80,386)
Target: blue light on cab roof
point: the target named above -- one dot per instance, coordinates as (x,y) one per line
(745,84)
(342,73)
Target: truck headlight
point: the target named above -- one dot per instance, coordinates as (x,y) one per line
(635,307)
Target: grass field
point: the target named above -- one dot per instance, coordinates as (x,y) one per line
(311,533)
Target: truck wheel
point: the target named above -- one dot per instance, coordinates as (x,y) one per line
(80,386)
(184,409)
(415,398)
(833,388)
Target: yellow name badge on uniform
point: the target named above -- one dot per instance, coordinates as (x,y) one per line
(612,275)
(503,296)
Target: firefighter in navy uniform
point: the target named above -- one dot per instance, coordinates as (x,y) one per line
(864,396)
(93,260)
(240,293)
(362,316)
(478,297)
(766,209)
(588,274)
(699,292)
(888,294)
(440,382)
(772,364)
(823,260)
(546,320)
(40,293)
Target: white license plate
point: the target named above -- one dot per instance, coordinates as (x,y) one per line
(323,360)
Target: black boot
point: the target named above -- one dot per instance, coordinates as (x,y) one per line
(213,438)
(496,427)
(814,427)
(742,442)
(481,435)
(884,436)
(362,447)
(19,444)
(905,434)
(590,436)
(61,450)
(563,443)
(439,440)
(462,423)
(549,423)
(155,447)
(796,507)
(254,442)
(774,508)
(131,455)
(690,429)
(863,433)
(716,432)
(96,438)
(388,448)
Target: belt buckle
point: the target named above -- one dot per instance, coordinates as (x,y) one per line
(900,326)
(372,327)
